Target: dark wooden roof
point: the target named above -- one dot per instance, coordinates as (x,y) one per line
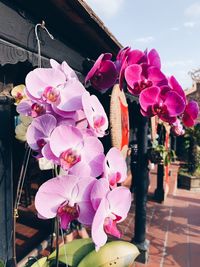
(77,30)
(76,23)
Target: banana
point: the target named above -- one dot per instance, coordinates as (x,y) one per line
(112,254)
(73,252)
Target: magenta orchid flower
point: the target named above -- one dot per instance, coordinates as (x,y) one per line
(77,154)
(141,70)
(95,114)
(50,86)
(115,168)
(190,114)
(111,209)
(103,74)
(39,132)
(68,198)
(156,101)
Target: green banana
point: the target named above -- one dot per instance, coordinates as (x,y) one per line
(74,250)
(115,253)
(41,263)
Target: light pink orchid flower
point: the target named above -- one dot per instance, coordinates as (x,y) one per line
(112,208)
(115,169)
(77,154)
(68,198)
(177,128)
(39,132)
(95,114)
(49,85)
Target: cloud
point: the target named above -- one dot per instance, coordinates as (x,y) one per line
(175,29)
(108,8)
(145,40)
(178,63)
(193,11)
(189,24)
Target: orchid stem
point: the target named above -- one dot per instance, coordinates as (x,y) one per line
(57,241)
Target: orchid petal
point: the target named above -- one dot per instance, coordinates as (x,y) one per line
(99,191)
(148,97)
(71,96)
(115,163)
(154,58)
(92,155)
(156,76)
(63,138)
(176,87)
(133,74)
(135,56)
(38,79)
(98,235)
(53,193)
(174,103)
(120,205)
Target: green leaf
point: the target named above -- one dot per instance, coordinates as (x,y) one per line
(41,263)
(115,253)
(1,263)
(74,250)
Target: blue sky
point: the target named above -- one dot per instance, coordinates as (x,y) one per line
(172,27)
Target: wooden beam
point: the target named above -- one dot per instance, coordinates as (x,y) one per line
(18,29)
(6,184)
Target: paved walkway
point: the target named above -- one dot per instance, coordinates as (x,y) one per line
(173,229)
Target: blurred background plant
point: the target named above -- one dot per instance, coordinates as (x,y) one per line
(191,147)
(159,154)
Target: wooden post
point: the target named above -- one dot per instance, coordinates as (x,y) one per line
(6,182)
(141,184)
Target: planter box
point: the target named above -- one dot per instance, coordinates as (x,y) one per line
(189,182)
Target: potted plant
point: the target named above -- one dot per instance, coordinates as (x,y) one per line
(189,173)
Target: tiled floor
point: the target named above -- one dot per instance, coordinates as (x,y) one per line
(173,229)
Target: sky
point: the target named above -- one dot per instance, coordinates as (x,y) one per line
(172,27)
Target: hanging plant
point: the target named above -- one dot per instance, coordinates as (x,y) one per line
(67,123)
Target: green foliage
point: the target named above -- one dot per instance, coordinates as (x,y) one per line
(159,154)
(1,263)
(81,253)
(116,253)
(192,148)
(72,252)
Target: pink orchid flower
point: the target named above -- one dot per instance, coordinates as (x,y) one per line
(50,86)
(156,101)
(177,128)
(141,70)
(77,154)
(103,74)
(95,114)
(121,56)
(111,209)
(65,68)
(115,169)
(39,132)
(190,114)
(67,197)
(31,108)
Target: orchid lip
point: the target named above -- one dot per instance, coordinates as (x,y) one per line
(37,110)
(69,158)
(51,95)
